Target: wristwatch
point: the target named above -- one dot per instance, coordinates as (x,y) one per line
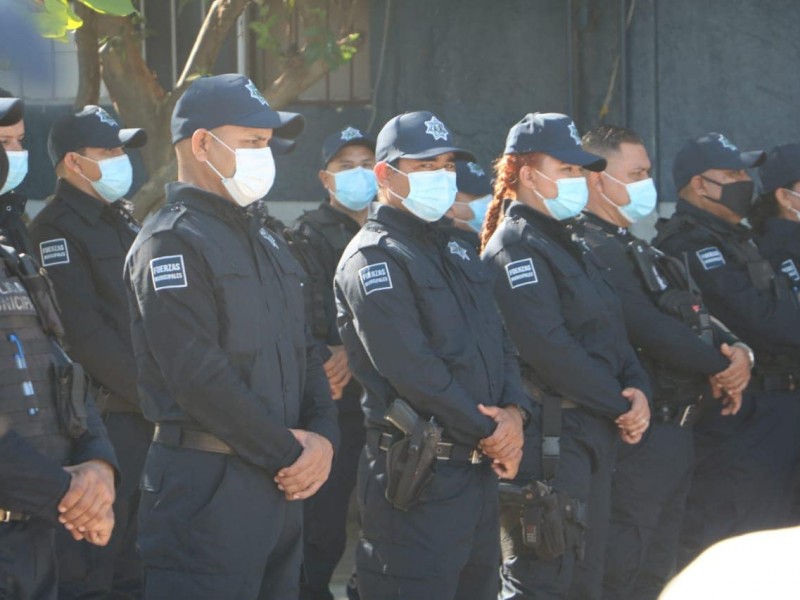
(749,351)
(526,416)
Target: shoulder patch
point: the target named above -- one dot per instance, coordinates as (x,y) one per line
(54,252)
(789,269)
(168,272)
(710,258)
(375,278)
(521,272)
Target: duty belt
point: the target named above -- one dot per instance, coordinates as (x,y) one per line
(683,416)
(444,450)
(767,381)
(7,516)
(172,434)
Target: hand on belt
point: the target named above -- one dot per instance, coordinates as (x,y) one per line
(444,450)
(6,516)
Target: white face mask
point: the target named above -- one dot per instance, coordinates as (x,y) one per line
(253,176)
(794,211)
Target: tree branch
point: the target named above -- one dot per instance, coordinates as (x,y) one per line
(218,22)
(86,38)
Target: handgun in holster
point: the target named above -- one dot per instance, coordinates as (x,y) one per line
(535,518)
(410,461)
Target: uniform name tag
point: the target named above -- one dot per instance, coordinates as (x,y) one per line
(790,269)
(168,272)
(710,258)
(54,252)
(521,272)
(375,278)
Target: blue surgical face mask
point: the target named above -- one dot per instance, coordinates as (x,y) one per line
(642,195)
(478,208)
(17,169)
(116,177)
(355,188)
(431,193)
(571,199)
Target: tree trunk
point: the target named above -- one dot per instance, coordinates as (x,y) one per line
(88,58)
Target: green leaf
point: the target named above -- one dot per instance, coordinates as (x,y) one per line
(57,19)
(117,8)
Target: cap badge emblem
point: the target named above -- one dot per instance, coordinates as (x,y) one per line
(435,128)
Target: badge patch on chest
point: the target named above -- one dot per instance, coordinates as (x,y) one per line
(54,252)
(710,258)
(168,272)
(268,237)
(789,269)
(375,278)
(458,250)
(521,272)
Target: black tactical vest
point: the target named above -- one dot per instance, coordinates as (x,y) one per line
(27,391)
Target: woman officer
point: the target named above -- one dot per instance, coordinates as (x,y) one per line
(566,323)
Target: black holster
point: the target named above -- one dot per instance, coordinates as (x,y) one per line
(537,520)
(410,461)
(72,387)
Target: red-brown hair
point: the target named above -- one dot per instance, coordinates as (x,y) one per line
(506,178)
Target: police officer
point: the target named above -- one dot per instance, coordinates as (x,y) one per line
(12,203)
(43,429)
(775,216)
(348,157)
(245,426)
(83,236)
(472,199)
(566,323)
(758,446)
(416,316)
(679,346)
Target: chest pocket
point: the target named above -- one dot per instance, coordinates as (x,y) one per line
(241,306)
(288,287)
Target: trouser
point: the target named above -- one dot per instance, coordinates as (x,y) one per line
(212,526)
(648,499)
(444,548)
(325,513)
(744,470)
(115,570)
(27,560)
(584,472)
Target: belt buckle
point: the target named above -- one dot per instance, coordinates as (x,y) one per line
(440,450)
(5,516)
(475,457)
(687,414)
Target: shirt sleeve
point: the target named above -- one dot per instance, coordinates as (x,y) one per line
(31,482)
(92,341)
(761,318)
(533,318)
(181,326)
(389,327)
(318,411)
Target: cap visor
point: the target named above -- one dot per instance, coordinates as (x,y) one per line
(753,158)
(459,154)
(11,111)
(132,138)
(284,124)
(588,161)
(282,147)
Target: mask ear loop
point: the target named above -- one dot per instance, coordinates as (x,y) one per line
(213,168)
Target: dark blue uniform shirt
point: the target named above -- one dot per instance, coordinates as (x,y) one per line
(219,329)
(416,314)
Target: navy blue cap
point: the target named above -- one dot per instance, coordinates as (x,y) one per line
(416,135)
(781,168)
(11,111)
(472,179)
(711,151)
(92,127)
(230,99)
(280,146)
(349,136)
(553,134)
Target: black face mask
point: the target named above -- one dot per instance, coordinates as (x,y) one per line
(737,196)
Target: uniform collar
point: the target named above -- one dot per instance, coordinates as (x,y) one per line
(605,226)
(713,222)
(187,194)
(337,216)
(778,234)
(403,221)
(561,232)
(87,207)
